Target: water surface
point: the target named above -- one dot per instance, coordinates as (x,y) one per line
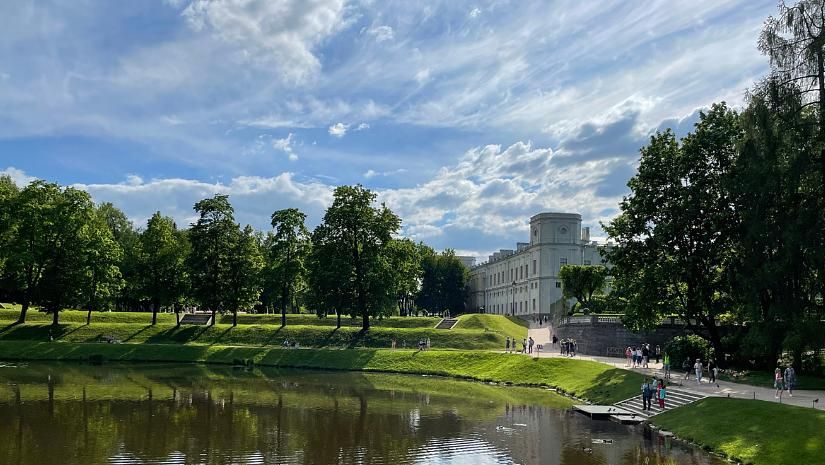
(191,414)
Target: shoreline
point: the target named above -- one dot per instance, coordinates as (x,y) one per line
(736,429)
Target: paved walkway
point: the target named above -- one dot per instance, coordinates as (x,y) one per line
(720,389)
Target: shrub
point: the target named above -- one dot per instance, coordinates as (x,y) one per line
(688,347)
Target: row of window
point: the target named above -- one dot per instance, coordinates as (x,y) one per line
(521,307)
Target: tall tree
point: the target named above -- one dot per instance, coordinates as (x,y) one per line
(244,272)
(328,273)
(8,224)
(404,265)
(162,263)
(357,233)
(102,256)
(443,282)
(213,238)
(65,274)
(581,282)
(290,248)
(673,233)
(795,43)
(778,269)
(128,239)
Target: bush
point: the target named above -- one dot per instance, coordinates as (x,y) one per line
(688,347)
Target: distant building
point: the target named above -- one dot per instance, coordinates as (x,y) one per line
(525,281)
(466,260)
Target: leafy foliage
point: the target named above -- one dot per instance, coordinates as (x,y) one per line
(582,282)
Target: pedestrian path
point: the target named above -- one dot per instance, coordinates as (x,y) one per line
(678,380)
(675,398)
(446,323)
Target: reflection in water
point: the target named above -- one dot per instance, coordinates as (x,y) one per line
(69,414)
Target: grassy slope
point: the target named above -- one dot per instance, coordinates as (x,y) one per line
(765,379)
(591,380)
(79,316)
(255,335)
(753,431)
(505,325)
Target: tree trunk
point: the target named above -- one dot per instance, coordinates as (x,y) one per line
(55,316)
(820,68)
(89,317)
(283,307)
(213,317)
(234,317)
(155,308)
(177,316)
(24,309)
(338,313)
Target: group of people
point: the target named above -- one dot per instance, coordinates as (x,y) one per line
(639,357)
(511,345)
(786,382)
(568,347)
(653,389)
(698,369)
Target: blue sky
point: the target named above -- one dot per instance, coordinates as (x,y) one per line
(465,117)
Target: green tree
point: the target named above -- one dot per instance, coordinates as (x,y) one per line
(404,265)
(356,235)
(102,256)
(673,233)
(163,263)
(443,282)
(8,224)
(128,239)
(326,266)
(778,268)
(244,272)
(65,274)
(795,43)
(289,250)
(581,282)
(213,238)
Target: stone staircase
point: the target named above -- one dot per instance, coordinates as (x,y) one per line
(446,323)
(675,398)
(202,319)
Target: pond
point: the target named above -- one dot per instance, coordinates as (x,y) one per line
(193,414)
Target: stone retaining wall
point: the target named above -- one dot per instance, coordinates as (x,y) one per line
(606,339)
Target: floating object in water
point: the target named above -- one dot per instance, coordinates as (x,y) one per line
(520,424)
(602,441)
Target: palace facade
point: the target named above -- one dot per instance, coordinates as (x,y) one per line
(524,280)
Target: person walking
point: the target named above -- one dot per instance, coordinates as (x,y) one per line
(530,342)
(662,394)
(712,371)
(790,379)
(666,365)
(697,367)
(524,346)
(645,355)
(647,394)
(686,367)
(777,382)
(507,345)
(658,353)
(629,354)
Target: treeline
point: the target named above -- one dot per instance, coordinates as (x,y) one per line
(725,227)
(59,250)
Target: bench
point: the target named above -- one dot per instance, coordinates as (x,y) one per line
(108,339)
(615,352)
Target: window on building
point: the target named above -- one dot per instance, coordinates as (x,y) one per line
(534,305)
(563,261)
(587,262)
(534,267)
(511,274)
(558,283)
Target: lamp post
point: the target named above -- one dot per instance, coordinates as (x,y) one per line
(513,308)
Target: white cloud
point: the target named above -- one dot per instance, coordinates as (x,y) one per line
(362,127)
(381,33)
(286,145)
(18,176)
(422,75)
(475,12)
(338,129)
(280,33)
(369,174)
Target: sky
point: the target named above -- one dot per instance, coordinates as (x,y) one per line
(465,117)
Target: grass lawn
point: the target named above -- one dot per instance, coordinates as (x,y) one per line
(505,325)
(594,381)
(765,379)
(752,431)
(255,335)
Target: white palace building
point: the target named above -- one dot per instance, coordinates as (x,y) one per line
(525,281)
